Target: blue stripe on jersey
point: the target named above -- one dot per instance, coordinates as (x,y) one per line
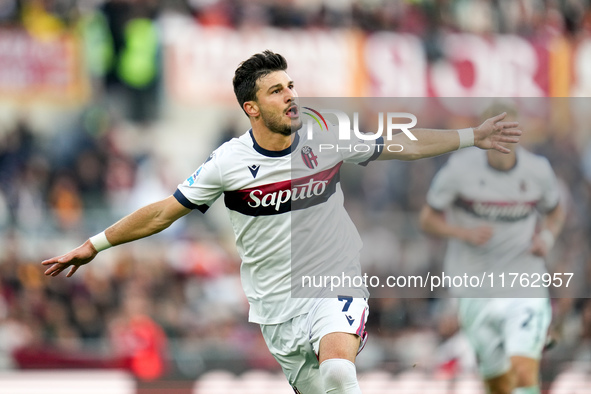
(180,197)
(376,153)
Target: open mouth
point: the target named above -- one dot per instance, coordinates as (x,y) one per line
(293,111)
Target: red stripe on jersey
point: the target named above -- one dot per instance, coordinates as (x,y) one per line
(285,196)
(506,211)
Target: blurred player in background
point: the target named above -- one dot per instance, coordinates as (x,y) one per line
(486,204)
(273,176)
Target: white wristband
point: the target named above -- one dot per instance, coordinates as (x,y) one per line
(100,242)
(466,137)
(548,238)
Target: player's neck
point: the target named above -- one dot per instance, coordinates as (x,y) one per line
(502,161)
(269,140)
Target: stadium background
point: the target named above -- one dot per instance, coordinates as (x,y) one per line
(108,105)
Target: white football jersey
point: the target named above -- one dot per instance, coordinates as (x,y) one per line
(286,209)
(473,193)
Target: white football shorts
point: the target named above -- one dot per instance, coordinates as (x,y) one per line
(295,343)
(500,328)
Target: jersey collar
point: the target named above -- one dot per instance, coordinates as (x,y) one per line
(274,153)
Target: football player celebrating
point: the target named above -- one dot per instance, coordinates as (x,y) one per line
(272,177)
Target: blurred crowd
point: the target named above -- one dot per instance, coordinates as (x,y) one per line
(123,39)
(421,17)
(174,305)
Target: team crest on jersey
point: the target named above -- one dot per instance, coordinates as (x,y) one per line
(310,159)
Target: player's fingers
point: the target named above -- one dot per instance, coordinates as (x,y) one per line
(52,260)
(59,270)
(65,258)
(484,237)
(508,139)
(72,271)
(511,131)
(54,270)
(508,125)
(538,247)
(51,269)
(48,271)
(499,117)
(537,251)
(482,241)
(500,148)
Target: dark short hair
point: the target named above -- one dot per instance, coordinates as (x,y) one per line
(249,71)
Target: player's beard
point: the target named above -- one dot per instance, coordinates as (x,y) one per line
(277,125)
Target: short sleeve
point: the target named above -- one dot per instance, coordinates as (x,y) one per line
(549,184)
(202,188)
(444,188)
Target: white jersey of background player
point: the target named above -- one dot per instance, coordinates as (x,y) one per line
(488,205)
(315,342)
(507,203)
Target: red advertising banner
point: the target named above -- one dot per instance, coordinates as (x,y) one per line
(200,62)
(32,69)
(470,66)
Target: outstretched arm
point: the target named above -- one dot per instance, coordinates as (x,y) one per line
(433,222)
(491,134)
(144,222)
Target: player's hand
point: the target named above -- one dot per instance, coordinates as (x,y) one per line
(477,236)
(83,254)
(552,339)
(494,132)
(539,247)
